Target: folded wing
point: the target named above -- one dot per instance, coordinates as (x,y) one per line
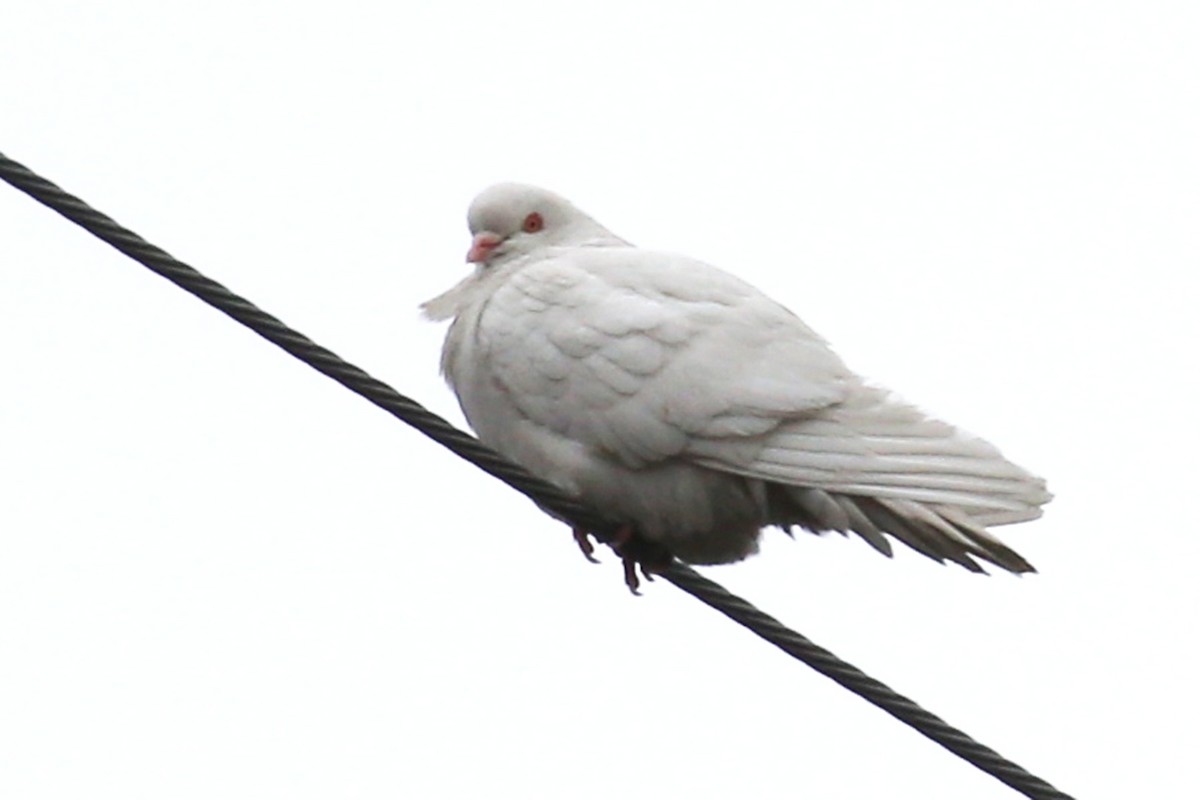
(646,357)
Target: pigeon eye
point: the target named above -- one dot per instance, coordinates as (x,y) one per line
(533,223)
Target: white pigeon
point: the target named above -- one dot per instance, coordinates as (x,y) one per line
(685,404)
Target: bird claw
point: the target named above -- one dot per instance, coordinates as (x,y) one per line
(631,578)
(623,542)
(632,565)
(585,544)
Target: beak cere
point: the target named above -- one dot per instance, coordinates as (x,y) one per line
(482,246)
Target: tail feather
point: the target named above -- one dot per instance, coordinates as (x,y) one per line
(943,533)
(821,511)
(878,466)
(917,534)
(863,526)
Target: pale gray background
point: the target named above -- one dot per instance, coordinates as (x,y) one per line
(221,575)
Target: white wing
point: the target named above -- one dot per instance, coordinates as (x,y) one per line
(645,358)
(873,444)
(640,355)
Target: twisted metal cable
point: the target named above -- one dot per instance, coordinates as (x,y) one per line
(545,494)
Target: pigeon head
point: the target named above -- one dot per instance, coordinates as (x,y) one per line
(513,219)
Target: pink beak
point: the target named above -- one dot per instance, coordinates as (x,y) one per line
(482,246)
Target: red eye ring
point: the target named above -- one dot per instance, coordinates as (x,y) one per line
(533,223)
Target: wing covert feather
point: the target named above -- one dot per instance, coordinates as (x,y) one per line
(638,354)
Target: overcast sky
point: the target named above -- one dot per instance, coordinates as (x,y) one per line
(222,575)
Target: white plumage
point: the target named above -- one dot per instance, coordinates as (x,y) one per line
(676,398)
